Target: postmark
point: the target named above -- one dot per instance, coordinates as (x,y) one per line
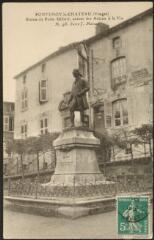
(132,215)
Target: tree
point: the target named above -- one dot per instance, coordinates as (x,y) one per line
(107,145)
(47,142)
(145,136)
(42,143)
(17,146)
(32,145)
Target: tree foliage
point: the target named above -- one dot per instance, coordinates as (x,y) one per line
(145,132)
(32,144)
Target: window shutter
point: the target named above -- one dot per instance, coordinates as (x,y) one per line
(43,90)
(39,92)
(47,95)
(108,113)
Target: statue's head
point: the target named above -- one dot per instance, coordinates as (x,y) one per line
(76,73)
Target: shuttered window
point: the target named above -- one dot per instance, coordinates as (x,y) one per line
(24,129)
(6,123)
(44,125)
(24,99)
(43,91)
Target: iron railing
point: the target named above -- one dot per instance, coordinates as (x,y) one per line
(120,184)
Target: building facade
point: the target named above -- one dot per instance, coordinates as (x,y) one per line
(122,70)
(117,62)
(8,134)
(40,89)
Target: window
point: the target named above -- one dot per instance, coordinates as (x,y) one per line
(108,113)
(43,67)
(116,42)
(44,125)
(11,107)
(24,130)
(24,99)
(24,79)
(118,71)
(11,124)
(120,113)
(43,90)
(6,123)
(82,65)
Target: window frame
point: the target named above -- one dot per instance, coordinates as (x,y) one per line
(121,68)
(114,40)
(6,129)
(44,124)
(11,123)
(41,89)
(24,78)
(24,99)
(24,133)
(121,110)
(43,67)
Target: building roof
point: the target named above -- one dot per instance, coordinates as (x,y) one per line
(120,25)
(90,40)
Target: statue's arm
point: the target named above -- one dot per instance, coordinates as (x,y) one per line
(85,88)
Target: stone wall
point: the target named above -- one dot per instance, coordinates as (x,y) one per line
(141,166)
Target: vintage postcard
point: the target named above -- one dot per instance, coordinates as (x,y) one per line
(77,120)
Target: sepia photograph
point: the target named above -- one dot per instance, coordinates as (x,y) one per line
(77,120)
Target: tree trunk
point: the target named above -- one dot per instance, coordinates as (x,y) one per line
(17,166)
(144,149)
(104,168)
(44,160)
(33,164)
(22,167)
(113,153)
(132,158)
(150,148)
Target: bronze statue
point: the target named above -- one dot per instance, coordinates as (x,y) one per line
(78,100)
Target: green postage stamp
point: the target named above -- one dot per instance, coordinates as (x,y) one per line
(133,215)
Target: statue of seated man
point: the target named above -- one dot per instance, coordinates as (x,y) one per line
(78,100)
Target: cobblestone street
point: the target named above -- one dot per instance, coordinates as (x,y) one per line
(22,225)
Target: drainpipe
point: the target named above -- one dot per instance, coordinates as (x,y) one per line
(91,84)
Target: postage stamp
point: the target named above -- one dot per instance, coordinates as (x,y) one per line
(133,215)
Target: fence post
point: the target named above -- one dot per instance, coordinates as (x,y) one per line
(36,193)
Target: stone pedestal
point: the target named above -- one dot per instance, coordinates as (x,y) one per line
(76,158)
(77,187)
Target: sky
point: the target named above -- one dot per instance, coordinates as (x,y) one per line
(26,42)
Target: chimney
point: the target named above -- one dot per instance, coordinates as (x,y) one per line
(101,27)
